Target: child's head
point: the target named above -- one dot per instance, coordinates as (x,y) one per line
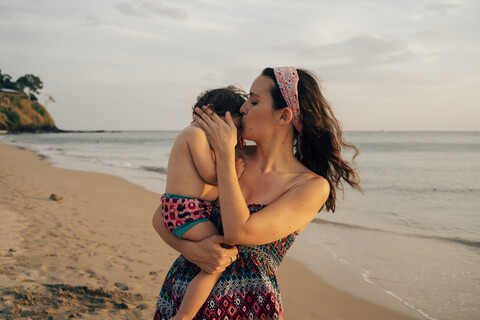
(221,100)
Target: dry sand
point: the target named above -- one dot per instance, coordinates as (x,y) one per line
(94,254)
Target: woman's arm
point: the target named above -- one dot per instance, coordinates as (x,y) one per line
(292,211)
(289,213)
(208,254)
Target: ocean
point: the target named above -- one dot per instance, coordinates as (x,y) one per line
(414,233)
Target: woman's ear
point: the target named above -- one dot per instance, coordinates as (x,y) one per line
(285,116)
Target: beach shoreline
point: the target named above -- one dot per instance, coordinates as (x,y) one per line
(94,254)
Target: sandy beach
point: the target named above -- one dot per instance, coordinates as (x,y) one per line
(95,255)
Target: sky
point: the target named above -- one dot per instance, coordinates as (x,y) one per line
(139,65)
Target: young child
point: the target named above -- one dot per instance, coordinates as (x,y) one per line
(191,189)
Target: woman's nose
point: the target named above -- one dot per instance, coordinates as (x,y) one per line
(243,108)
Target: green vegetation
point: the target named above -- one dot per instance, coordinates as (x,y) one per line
(28,81)
(39,108)
(13,117)
(19,110)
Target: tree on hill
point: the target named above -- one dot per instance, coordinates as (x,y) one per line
(6,81)
(30,82)
(20,111)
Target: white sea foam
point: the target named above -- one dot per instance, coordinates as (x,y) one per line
(366,276)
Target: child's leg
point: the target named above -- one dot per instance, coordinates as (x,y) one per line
(197,293)
(200,287)
(200,231)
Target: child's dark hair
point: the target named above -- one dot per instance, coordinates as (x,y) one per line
(221,100)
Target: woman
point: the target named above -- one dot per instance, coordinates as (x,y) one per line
(293,171)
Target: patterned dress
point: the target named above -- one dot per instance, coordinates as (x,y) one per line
(247,289)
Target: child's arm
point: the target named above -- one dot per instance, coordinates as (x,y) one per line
(202,155)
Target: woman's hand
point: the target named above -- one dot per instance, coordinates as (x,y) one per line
(210,255)
(222,135)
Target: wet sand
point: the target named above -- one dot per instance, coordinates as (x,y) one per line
(95,255)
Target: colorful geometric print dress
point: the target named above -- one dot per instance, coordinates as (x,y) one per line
(247,289)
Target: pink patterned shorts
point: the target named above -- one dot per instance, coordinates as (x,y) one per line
(181,213)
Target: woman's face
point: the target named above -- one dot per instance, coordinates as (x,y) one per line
(258,110)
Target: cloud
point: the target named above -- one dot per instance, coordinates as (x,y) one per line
(369,49)
(171,12)
(241,75)
(145,8)
(139,34)
(363,49)
(92,21)
(443,8)
(4,9)
(438,34)
(128,9)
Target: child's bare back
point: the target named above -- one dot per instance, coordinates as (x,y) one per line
(191,166)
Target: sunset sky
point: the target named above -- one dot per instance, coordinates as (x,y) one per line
(139,65)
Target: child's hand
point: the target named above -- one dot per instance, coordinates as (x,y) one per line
(239,166)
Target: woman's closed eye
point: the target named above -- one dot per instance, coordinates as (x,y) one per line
(252,99)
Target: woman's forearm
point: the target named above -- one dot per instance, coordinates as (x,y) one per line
(234,209)
(208,254)
(222,136)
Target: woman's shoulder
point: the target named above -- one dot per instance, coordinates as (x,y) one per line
(316,180)
(309,189)
(309,179)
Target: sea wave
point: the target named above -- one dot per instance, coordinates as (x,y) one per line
(472,243)
(121,164)
(423,190)
(155,169)
(409,146)
(53,153)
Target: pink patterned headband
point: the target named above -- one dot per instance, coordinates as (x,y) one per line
(287,79)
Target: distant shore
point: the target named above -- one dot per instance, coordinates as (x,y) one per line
(56,130)
(94,254)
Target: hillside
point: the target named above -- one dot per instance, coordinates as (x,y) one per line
(19,114)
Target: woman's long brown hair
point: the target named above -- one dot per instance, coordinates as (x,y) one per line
(320,144)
